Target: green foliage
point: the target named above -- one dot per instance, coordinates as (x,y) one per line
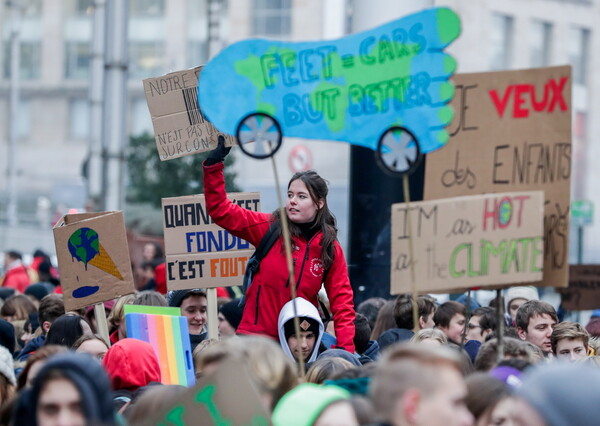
(151,179)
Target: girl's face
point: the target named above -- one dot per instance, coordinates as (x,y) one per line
(299,207)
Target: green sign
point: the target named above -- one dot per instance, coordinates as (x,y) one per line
(582,212)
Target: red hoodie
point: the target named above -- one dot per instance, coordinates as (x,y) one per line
(269,290)
(131,364)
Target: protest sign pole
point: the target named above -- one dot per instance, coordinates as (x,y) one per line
(101,323)
(500,354)
(288,256)
(413,284)
(213,330)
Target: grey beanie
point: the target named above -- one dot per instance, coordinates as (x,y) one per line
(175,297)
(563,394)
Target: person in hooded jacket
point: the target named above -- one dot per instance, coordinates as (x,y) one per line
(311,330)
(316,253)
(131,364)
(70,389)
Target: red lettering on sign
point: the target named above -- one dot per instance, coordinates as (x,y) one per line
(553,97)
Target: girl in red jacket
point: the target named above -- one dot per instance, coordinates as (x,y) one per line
(316,253)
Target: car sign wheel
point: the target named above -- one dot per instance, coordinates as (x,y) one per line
(259,135)
(398,151)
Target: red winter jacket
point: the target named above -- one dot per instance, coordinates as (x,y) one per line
(131,364)
(269,290)
(17,278)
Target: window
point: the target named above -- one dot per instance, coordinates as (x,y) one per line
(30,55)
(147,59)
(197,32)
(140,117)
(32,8)
(78,7)
(77,60)
(541,43)
(139,8)
(23,120)
(272,18)
(79,118)
(579,39)
(501,42)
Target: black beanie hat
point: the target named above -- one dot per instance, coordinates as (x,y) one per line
(306,324)
(7,335)
(232,311)
(38,290)
(175,298)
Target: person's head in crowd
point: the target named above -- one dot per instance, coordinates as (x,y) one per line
(385,320)
(5,293)
(362,333)
(488,322)
(149,298)
(90,314)
(556,394)
(7,376)
(51,307)
(325,368)
(450,318)
(17,308)
(193,304)
(35,363)
(489,400)
(470,303)
(475,330)
(153,402)
(570,341)
(148,267)
(92,344)
(510,371)
(593,326)
(7,335)
(69,389)
(315,405)
(11,256)
(36,292)
(370,308)
(487,357)
(420,384)
(116,319)
(131,364)
(517,296)
(272,373)
(67,329)
(198,356)
(152,251)
(403,311)
(30,326)
(535,321)
(306,345)
(430,336)
(229,317)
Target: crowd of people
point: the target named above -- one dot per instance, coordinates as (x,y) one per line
(310,355)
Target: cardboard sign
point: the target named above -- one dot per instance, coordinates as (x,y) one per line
(199,252)
(512,132)
(353,89)
(584,288)
(224,397)
(93,258)
(180,128)
(459,243)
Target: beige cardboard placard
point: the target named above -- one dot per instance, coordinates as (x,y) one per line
(584,288)
(512,132)
(224,397)
(199,252)
(459,243)
(93,258)
(180,128)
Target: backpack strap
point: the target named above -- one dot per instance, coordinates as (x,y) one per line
(254,262)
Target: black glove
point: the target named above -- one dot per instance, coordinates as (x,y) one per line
(218,154)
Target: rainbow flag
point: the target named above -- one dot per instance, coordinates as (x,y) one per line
(169,336)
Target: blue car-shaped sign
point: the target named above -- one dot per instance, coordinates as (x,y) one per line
(386,89)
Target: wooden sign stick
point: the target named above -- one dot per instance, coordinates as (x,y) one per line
(101,323)
(413,283)
(212,312)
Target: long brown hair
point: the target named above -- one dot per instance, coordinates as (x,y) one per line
(324,220)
